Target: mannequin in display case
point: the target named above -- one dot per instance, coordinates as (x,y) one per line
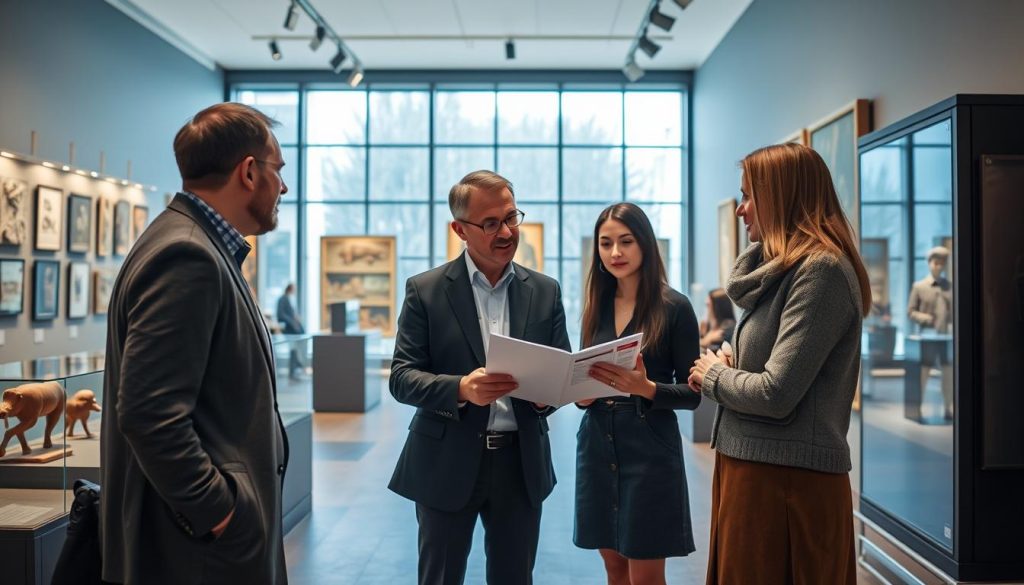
(931,308)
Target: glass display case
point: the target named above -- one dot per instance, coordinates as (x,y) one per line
(51,409)
(927,477)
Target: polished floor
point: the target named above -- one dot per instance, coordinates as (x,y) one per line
(360,533)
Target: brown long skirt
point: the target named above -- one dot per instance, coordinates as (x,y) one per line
(777,525)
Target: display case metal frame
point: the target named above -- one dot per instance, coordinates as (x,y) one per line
(986,509)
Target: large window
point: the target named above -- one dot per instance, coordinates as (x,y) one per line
(380,161)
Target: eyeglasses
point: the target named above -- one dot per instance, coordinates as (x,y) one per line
(277,166)
(491,226)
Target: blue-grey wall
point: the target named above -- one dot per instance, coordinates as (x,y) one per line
(82,71)
(788,63)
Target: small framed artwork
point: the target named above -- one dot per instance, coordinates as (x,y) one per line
(12,211)
(800,137)
(529,253)
(728,239)
(250,267)
(78,290)
(12,286)
(140,217)
(122,227)
(104,226)
(103,286)
(835,139)
(79,223)
(49,209)
(45,289)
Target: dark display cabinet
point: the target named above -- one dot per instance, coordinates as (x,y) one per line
(942,236)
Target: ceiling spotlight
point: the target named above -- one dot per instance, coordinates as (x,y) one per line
(510,49)
(275,51)
(318,39)
(338,60)
(632,71)
(292,18)
(648,46)
(661,20)
(683,3)
(356,77)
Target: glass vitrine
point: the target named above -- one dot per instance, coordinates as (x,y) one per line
(934,475)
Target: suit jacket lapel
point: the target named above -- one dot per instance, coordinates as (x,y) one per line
(520,292)
(460,296)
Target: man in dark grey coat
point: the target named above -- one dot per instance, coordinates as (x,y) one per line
(194,451)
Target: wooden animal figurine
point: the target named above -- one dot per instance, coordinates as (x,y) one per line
(79,407)
(28,402)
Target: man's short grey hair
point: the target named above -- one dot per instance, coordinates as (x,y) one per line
(487,181)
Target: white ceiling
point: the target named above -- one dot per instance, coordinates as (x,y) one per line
(222,31)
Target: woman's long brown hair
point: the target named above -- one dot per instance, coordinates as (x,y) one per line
(797,210)
(649,312)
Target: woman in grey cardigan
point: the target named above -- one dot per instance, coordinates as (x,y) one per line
(782,510)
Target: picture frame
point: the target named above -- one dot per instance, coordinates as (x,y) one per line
(49,218)
(13,228)
(362,268)
(104,226)
(122,228)
(102,287)
(801,137)
(875,253)
(529,253)
(728,239)
(834,137)
(12,286)
(140,218)
(79,223)
(250,267)
(45,289)
(78,289)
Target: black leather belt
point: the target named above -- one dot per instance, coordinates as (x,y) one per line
(499,439)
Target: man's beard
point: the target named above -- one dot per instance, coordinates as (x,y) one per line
(265,216)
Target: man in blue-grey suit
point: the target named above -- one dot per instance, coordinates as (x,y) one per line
(473,451)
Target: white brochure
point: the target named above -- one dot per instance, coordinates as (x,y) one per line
(547,375)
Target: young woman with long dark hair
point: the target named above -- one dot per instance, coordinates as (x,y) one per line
(631,496)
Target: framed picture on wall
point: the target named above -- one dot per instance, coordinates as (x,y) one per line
(79,223)
(104,226)
(13,200)
(362,268)
(728,242)
(250,267)
(875,253)
(529,253)
(102,285)
(140,217)
(45,289)
(835,139)
(12,286)
(799,137)
(49,218)
(122,227)
(78,290)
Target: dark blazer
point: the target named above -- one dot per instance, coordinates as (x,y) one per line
(190,422)
(438,466)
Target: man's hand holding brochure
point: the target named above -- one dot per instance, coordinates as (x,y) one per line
(548,375)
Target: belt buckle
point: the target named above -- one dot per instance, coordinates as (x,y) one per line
(496,442)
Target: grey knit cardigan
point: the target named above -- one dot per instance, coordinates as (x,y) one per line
(797,358)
